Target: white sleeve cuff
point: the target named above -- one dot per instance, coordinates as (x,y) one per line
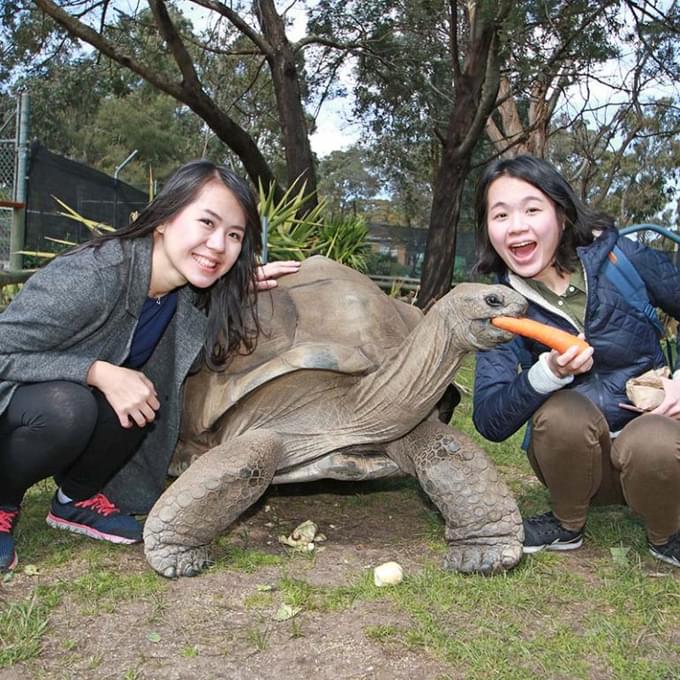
(543,380)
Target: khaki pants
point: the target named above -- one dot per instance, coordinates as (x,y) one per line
(572,453)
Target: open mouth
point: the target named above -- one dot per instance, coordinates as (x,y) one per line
(524,250)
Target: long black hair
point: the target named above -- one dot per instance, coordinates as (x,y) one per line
(230,303)
(580,221)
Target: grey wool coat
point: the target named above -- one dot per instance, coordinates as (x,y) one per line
(83,307)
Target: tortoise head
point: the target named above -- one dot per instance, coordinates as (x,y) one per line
(473,305)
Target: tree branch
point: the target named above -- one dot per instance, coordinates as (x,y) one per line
(238,21)
(174,41)
(99,42)
(453,41)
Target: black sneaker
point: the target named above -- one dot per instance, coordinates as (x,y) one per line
(546,532)
(668,552)
(8,554)
(96,517)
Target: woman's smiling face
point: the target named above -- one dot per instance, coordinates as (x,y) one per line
(201,243)
(524,227)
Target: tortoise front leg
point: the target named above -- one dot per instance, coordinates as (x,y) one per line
(483,526)
(206,499)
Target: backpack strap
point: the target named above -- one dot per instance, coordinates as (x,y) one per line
(622,273)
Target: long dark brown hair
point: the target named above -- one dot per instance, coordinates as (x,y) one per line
(580,221)
(230,303)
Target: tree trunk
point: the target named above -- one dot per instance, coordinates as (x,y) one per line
(476,88)
(443,231)
(284,71)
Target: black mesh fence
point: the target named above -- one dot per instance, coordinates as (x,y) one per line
(406,246)
(91,193)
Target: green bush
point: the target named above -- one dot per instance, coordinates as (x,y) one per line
(293,234)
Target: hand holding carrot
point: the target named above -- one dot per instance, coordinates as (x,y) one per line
(574,361)
(570,354)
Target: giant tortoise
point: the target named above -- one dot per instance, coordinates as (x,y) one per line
(344,384)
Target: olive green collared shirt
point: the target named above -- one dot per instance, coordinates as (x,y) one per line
(572,302)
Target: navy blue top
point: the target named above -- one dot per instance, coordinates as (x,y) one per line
(153,320)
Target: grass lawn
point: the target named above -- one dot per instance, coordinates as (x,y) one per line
(81,609)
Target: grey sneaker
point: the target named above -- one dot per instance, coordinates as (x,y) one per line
(544,532)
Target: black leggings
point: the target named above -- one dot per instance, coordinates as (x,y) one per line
(65,430)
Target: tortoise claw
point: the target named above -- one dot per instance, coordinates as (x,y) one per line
(172,561)
(483,559)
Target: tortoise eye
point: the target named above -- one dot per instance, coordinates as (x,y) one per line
(494,300)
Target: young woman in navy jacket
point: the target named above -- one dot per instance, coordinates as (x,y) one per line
(536,236)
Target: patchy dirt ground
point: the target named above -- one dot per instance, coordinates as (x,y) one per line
(219,625)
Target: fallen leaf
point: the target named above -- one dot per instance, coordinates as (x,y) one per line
(620,556)
(285,612)
(153,637)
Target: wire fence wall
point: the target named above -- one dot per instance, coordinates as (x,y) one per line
(5,232)
(7,168)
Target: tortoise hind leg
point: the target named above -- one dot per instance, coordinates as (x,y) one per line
(483,524)
(206,499)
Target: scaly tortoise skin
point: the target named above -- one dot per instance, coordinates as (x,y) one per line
(344,384)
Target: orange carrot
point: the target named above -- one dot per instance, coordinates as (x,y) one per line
(547,335)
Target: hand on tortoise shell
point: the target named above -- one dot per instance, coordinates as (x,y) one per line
(268,273)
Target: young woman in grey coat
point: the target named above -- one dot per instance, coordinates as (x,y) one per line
(95,348)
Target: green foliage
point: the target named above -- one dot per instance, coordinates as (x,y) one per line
(295,234)
(380,264)
(22,626)
(344,240)
(347,181)
(7,293)
(290,234)
(122,111)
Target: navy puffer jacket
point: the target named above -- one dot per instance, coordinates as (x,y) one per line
(625,342)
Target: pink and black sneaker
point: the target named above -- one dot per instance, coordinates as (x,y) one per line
(96,517)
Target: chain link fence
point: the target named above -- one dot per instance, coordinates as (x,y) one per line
(5,231)
(7,165)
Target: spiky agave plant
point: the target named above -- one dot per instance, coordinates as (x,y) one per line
(345,240)
(291,235)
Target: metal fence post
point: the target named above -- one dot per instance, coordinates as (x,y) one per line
(18,234)
(265,238)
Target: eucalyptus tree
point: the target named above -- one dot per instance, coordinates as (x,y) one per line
(427,84)
(348,182)
(174,57)
(448,85)
(594,87)
(592,70)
